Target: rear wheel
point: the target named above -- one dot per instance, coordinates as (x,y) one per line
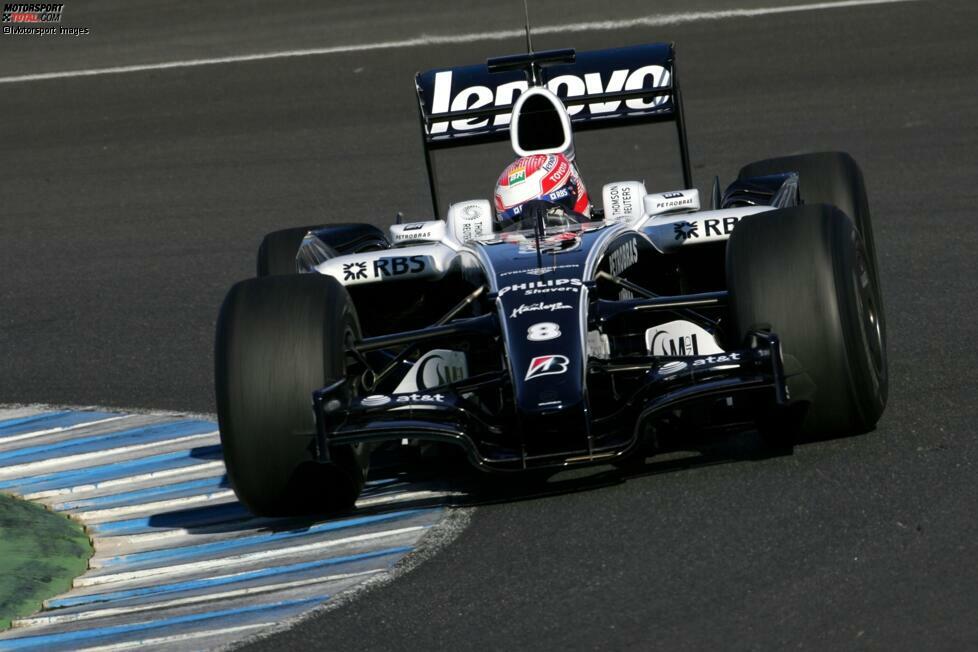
(277,252)
(278,249)
(279,339)
(804,273)
(827,178)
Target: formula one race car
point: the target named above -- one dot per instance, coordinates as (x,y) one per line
(553,338)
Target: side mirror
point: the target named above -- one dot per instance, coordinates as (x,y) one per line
(469,220)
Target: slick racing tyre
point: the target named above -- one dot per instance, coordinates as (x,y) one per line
(827,178)
(803,272)
(279,339)
(277,252)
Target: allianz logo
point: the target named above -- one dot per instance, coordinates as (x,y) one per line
(444,99)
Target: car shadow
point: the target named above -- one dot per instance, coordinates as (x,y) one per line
(449,481)
(699,451)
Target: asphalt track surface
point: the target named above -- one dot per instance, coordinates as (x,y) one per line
(131,202)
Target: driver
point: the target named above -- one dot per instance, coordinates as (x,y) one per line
(552,178)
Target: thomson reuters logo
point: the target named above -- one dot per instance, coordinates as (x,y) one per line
(32,13)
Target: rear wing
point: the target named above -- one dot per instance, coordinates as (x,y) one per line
(472,104)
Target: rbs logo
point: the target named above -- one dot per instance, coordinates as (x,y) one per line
(398,265)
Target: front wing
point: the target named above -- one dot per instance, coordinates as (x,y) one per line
(750,380)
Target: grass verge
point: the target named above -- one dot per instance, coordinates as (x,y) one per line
(40,553)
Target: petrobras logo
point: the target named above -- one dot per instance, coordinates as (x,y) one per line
(663,202)
(517,176)
(623,257)
(433,230)
(674,203)
(446,99)
(546,365)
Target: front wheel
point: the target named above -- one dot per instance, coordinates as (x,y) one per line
(804,273)
(278,339)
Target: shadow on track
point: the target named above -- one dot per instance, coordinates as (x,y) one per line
(474,488)
(445,479)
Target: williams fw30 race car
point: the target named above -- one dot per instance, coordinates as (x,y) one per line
(542,333)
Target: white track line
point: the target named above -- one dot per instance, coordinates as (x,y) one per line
(423,40)
(236,560)
(115,513)
(60,429)
(144,605)
(180,471)
(54,618)
(69,461)
(112,543)
(178,638)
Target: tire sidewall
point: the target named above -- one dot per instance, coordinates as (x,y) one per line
(793,270)
(278,339)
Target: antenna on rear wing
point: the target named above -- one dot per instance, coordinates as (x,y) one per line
(532,62)
(534,69)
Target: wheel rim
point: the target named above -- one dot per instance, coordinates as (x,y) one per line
(870,315)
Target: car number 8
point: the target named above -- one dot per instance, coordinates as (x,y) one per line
(543,331)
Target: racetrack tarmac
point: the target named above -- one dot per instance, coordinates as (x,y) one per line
(131,202)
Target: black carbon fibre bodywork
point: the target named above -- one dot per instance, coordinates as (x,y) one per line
(555,320)
(570,385)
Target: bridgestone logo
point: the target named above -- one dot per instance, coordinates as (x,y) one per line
(445,99)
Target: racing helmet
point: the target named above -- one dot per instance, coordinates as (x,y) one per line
(552,178)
